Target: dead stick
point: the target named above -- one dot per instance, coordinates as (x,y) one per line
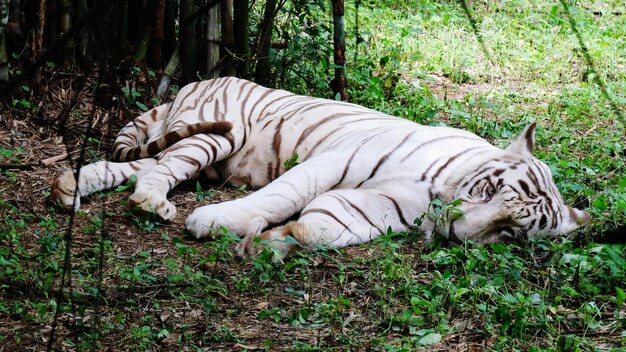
(54,159)
(16,166)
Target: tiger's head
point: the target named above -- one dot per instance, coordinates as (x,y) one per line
(512,198)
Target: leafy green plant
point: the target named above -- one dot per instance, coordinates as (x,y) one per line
(201,194)
(290,163)
(443,213)
(132,98)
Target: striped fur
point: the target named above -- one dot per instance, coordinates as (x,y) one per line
(360,171)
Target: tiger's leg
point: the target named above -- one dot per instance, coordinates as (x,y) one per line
(95,177)
(338,218)
(180,162)
(275,202)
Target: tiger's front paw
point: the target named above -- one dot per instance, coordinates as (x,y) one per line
(200,225)
(209,219)
(284,241)
(152,203)
(63,190)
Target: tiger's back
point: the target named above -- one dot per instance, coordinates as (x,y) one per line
(359,171)
(272,126)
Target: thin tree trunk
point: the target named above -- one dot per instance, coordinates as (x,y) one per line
(146,31)
(83,37)
(213,41)
(15,10)
(169,29)
(65,12)
(201,38)
(339,83)
(228,38)
(242,47)
(156,40)
(188,42)
(265,33)
(37,42)
(4,60)
(167,73)
(120,41)
(14,38)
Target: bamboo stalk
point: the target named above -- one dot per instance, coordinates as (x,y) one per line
(65,13)
(188,41)
(38,37)
(146,31)
(121,34)
(213,41)
(169,30)
(4,60)
(340,82)
(167,73)
(156,38)
(265,33)
(83,37)
(228,38)
(242,47)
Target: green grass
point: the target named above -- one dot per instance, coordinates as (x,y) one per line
(139,285)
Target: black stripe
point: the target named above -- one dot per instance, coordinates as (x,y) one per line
(320,142)
(189,160)
(398,210)
(439,139)
(359,210)
(479,172)
(295,204)
(258,101)
(327,213)
(202,147)
(526,189)
(446,164)
(245,114)
(385,157)
(543,222)
(260,116)
(477,183)
(133,166)
(345,170)
(386,119)
(107,170)
(307,131)
(276,147)
(182,99)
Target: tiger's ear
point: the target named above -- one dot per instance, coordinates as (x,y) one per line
(525,142)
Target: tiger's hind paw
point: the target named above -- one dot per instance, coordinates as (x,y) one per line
(206,221)
(63,190)
(150,203)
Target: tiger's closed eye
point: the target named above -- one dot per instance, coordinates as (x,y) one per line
(489,191)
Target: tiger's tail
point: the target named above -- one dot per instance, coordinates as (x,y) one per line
(130,143)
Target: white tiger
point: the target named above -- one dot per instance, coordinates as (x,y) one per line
(360,171)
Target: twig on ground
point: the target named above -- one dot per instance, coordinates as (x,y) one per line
(54,159)
(16,166)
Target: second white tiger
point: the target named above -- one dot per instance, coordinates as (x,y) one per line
(360,171)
